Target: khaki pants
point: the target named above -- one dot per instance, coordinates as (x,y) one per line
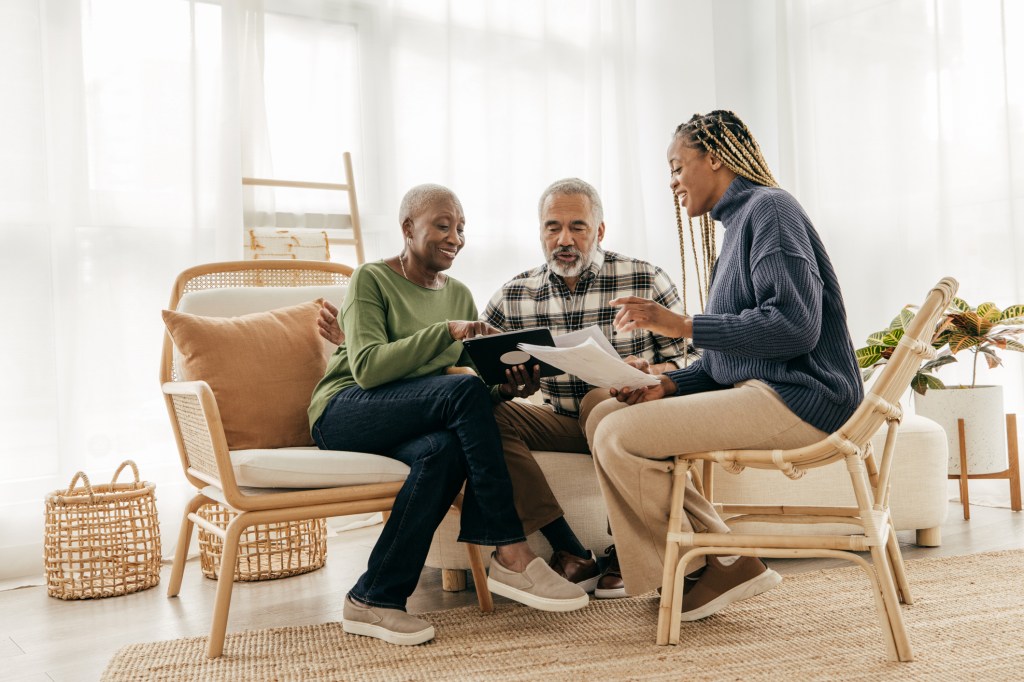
(633,446)
(526,426)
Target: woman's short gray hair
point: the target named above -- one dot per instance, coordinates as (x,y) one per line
(574,186)
(417,199)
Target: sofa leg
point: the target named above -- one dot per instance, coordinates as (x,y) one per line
(453,579)
(929,537)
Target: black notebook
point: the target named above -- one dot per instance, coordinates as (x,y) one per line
(493,354)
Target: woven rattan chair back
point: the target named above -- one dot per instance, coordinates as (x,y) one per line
(189,415)
(869,479)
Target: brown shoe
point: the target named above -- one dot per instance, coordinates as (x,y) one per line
(610,585)
(722,585)
(583,572)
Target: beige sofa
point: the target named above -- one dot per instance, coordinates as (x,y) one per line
(918,503)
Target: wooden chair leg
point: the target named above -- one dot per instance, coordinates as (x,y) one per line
(225,582)
(483,593)
(891,616)
(668,581)
(667,615)
(476,567)
(184,540)
(899,572)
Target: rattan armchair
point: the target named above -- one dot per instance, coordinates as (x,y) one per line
(869,477)
(206,459)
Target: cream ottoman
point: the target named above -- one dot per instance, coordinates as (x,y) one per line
(919,492)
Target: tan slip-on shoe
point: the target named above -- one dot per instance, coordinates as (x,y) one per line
(720,585)
(392,625)
(538,587)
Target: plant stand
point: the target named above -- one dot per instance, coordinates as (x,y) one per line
(1012,472)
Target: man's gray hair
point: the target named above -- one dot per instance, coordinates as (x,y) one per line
(420,197)
(574,186)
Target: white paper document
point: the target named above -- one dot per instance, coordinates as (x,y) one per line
(591,363)
(580,335)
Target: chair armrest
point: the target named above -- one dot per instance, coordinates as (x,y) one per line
(199,432)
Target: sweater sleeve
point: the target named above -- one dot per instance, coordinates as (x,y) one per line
(374,358)
(693,379)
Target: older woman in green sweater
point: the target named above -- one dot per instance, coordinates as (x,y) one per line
(389,390)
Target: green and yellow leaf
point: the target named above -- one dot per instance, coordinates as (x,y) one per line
(922,382)
(867,357)
(958,305)
(876,338)
(893,337)
(1012,314)
(989,311)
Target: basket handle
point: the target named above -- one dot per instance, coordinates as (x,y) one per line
(125,463)
(88,486)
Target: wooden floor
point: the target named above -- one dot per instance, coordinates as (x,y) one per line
(43,638)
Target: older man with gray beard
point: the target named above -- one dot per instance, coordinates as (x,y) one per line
(570,291)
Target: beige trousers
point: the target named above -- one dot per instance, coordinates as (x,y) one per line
(524,427)
(632,448)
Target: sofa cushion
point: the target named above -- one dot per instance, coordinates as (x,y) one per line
(262,368)
(309,467)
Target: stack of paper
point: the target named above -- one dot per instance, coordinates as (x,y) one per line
(588,355)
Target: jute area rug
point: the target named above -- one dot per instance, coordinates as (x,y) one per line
(967,623)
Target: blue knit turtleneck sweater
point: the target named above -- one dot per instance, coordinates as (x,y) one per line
(774,312)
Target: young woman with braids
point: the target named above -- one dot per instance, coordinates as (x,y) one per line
(777,368)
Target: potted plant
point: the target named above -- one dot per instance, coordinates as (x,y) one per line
(981,331)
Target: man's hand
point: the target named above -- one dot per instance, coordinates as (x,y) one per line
(666,387)
(327,324)
(641,313)
(521,383)
(467,329)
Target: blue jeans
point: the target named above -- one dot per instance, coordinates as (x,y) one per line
(443,427)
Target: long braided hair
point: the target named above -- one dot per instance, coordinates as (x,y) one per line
(723,134)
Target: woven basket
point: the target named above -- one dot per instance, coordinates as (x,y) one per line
(101,541)
(266,551)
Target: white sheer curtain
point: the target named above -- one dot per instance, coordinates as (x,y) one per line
(907,126)
(126,126)
(120,166)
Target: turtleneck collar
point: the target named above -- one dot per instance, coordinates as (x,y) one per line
(734,197)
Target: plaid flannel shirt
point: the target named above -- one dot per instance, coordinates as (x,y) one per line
(540,298)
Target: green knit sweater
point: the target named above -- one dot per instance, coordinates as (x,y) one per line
(394,329)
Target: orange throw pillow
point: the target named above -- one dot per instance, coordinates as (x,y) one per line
(261,367)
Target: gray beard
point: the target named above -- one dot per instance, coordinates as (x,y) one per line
(577,268)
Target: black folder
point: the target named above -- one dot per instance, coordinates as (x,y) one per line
(493,354)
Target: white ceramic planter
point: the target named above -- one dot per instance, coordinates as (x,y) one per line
(981,408)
